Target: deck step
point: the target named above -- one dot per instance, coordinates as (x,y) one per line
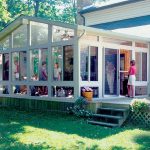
(113,109)
(103,123)
(107,116)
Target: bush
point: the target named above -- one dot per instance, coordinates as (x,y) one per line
(140,106)
(79,108)
(139,113)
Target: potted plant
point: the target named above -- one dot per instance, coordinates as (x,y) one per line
(87,92)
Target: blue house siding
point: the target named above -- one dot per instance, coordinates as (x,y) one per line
(127,23)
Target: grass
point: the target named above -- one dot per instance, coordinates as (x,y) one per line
(20,130)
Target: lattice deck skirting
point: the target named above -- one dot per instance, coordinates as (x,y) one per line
(140,118)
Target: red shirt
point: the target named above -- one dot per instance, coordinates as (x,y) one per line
(132,70)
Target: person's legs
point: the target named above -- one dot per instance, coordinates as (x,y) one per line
(129,90)
(132,91)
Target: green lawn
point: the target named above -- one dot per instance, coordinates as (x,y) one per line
(41,131)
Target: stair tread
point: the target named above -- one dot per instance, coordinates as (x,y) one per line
(107,116)
(115,109)
(103,123)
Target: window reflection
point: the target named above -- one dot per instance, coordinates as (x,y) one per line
(20,37)
(39,33)
(62,34)
(4,44)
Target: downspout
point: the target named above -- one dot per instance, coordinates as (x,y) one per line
(83,18)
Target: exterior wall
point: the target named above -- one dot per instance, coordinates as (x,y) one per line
(118,13)
(29,104)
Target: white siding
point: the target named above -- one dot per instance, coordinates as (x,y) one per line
(118,13)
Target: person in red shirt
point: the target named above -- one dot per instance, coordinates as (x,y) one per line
(132,78)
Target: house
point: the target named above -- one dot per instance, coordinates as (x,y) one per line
(125,16)
(52,61)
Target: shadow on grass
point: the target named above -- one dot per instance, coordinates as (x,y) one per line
(13,121)
(143,141)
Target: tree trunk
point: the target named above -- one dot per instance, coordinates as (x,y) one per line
(36,7)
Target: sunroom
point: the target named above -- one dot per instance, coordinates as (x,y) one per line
(54,61)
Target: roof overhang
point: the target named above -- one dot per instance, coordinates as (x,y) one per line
(12,26)
(95,8)
(112,34)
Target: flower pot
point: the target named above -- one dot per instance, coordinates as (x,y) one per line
(88,95)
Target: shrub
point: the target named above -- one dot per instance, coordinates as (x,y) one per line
(79,108)
(140,106)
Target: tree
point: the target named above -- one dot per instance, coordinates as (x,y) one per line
(4,14)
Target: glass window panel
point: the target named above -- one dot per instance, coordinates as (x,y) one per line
(110,71)
(4,44)
(15,66)
(142,45)
(144,66)
(62,34)
(43,72)
(1,67)
(4,89)
(39,33)
(38,90)
(19,66)
(68,63)
(94,63)
(20,37)
(138,65)
(23,65)
(62,91)
(39,64)
(6,67)
(140,90)
(19,89)
(57,63)
(35,64)
(84,62)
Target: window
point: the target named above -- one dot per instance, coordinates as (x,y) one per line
(4,67)
(4,44)
(19,89)
(39,33)
(62,57)
(39,64)
(62,34)
(4,89)
(20,37)
(19,66)
(141,66)
(57,53)
(89,57)
(68,63)
(38,90)
(62,91)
